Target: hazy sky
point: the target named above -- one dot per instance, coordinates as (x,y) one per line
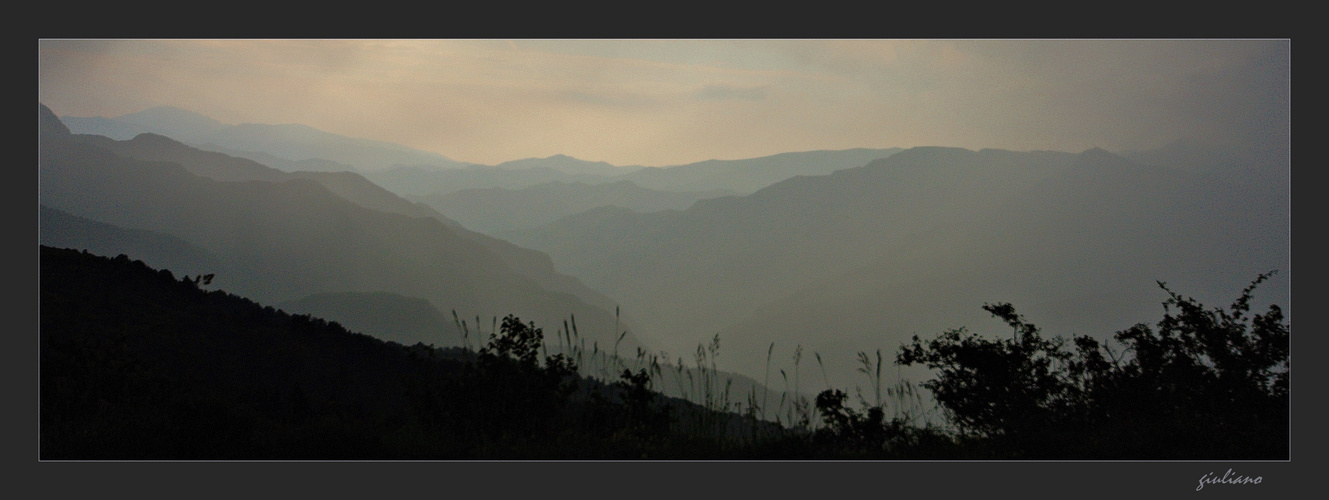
(667,102)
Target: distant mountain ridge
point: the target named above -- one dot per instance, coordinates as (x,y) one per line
(748,175)
(226,168)
(289,142)
(497,211)
(414,181)
(568,165)
(162,120)
(409,172)
(738,176)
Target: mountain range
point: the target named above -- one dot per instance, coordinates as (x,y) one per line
(732,176)
(310,239)
(285,142)
(913,244)
(489,199)
(836,252)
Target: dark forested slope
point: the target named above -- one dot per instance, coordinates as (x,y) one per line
(139,364)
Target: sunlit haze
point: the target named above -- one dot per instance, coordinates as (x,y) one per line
(669,102)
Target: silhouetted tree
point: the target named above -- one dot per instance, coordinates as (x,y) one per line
(1206,384)
(517,397)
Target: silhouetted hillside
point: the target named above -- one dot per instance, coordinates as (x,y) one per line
(139,364)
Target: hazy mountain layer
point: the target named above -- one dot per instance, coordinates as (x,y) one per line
(305,165)
(701,268)
(61,230)
(355,188)
(164,120)
(913,244)
(838,251)
(422,180)
(407,171)
(497,211)
(740,176)
(287,238)
(748,175)
(568,165)
(290,142)
(222,167)
(1079,253)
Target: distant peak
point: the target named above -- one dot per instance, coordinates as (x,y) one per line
(1099,157)
(931,153)
(151,138)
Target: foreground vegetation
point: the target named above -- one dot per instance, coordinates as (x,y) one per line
(139,364)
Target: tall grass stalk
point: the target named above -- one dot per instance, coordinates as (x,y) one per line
(766,381)
(784,395)
(620,336)
(866,368)
(679,379)
(823,371)
(461,327)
